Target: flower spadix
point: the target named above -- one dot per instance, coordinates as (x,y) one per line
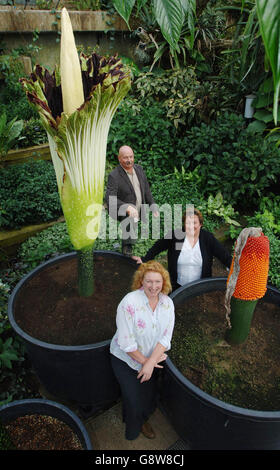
(72,90)
(77,103)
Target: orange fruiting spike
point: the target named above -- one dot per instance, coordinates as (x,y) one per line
(254,264)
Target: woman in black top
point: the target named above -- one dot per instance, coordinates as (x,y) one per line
(190,251)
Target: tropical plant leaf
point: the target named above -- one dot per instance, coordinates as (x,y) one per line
(248,36)
(263,115)
(170,17)
(256,126)
(269,19)
(189,8)
(124,8)
(15,129)
(263,100)
(267,86)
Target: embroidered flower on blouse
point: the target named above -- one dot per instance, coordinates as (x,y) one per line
(131,310)
(141,323)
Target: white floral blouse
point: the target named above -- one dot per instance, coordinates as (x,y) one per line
(139,327)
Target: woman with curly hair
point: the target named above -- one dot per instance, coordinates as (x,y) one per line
(145,322)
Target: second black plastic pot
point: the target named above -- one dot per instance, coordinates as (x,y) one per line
(204,421)
(18,408)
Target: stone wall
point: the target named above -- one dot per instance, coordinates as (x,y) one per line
(91,29)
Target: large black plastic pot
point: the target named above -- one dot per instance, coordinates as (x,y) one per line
(19,408)
(204,421)
(78,374)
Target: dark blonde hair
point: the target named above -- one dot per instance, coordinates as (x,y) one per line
(192,212)
(151,266)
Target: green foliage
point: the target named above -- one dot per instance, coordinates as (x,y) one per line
(177,90)
(14,364)
(215,206)
(44,245)
(9,132)
(263,103)
(33,133)
(8,352)
(218,96)
(11,349)
(186,100)
(11,91)
(271,203)
(181,188)
(86,4)
(170,16)
(176,188)
(28,194)
(242,64)
(5,439)
(231,159)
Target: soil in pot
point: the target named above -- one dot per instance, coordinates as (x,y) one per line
(42,432)
(246,375)
(50,309)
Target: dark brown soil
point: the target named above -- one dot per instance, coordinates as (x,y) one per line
(40,432)
(51,310)
(247,375)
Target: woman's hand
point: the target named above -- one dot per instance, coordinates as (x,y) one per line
(148,368)
(146,372)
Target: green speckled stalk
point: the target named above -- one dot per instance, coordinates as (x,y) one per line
(85,272)
(240,318)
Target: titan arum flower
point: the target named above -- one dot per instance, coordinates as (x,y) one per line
(247,282)
(76,104)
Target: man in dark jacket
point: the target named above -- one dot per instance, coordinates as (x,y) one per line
(127,192)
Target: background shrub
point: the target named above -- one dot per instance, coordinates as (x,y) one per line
(231,159)
(28,194)
(12,97)
(32,134)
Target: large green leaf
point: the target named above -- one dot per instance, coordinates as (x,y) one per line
(269,19)
(124,8)
(170,16)
(189,8)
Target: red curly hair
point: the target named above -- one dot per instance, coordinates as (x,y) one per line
(155,267)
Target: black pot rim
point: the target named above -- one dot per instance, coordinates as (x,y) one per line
(32,273)
(205,397)
(53,404)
